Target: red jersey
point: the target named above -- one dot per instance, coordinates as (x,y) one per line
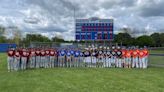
(47,52)
(11,53)
(28,54)
(32,53)
(37,52)
(24,53)
(17,54)
(42,53)
(52,53)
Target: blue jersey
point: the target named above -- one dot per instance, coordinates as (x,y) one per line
(62,52)
(68,53)
(77,53)
(72,52)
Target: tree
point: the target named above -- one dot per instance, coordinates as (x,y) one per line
(57,39)
(156,38)
(162,39)
(123,38)
(145,41)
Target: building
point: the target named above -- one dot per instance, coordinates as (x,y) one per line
(94,29)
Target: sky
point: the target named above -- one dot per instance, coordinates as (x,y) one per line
(56,17)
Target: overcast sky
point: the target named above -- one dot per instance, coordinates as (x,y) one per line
(55,17)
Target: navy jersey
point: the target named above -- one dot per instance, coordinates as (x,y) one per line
(94,53)
(77,53)
(81,54)
(119,53)
(86,53)
(100,52)
(113,52)
(108,54)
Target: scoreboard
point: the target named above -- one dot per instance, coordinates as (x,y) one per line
(94,29)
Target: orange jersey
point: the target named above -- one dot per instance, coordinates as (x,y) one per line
(146,52)
(135,53)
(128,54)
(123,53)
(141,54)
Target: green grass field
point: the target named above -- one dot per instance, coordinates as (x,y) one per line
(82,79)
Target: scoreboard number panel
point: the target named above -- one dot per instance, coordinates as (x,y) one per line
(94,29)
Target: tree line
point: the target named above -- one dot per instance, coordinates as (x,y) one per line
(125,38)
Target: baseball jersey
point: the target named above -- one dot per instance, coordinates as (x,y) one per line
(68,53)
(37,52)
(52,53)
(134,54)
(11,53)
(47,52)
(108,54)
(86,53)
(77,53)
(42,53)
(128,54)
(81,53)
(119,53)
(62,53)
(141,54)
(17,54)
(123,53)
(146,52)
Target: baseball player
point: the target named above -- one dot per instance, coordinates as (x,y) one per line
(32,58)
(81,58)
(93,56)
(42,58)
(24,59)
(113,52)
(123,50)
(62,57)
(86,55)
(68,58)
(47,59)
(146,52)
(17,60)
(128,58)
(89,58)
(119,56)
(52,58)
(104,57)
(141,58)
(38,57)
(108,57)
(100,57)
(10,59)
(135,58)
(76,58)
(72,57)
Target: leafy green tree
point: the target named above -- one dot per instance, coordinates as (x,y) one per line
(123,38)
(145,41)
(156,38)
(162,39)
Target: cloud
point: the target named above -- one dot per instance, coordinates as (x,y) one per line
(56,17)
